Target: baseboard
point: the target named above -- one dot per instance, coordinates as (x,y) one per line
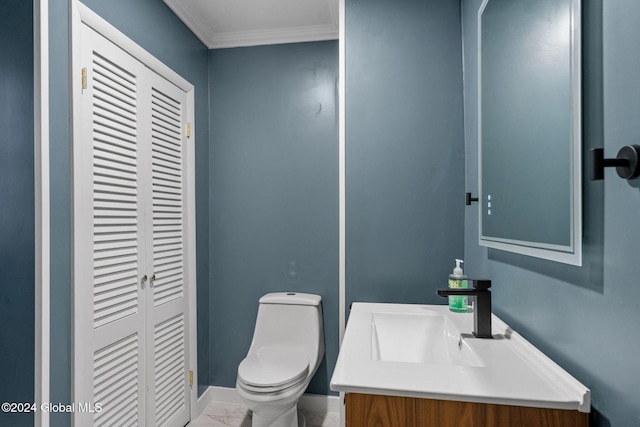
(309,402)
(320,403)
(202,403)
(224,394)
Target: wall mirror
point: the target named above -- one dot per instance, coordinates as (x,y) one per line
(530,128)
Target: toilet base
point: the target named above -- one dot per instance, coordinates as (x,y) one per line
(291,418)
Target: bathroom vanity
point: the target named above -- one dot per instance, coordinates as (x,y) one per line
(419,365)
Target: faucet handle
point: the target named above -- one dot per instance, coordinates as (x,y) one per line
(481,284)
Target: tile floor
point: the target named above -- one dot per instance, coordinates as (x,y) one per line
(219,414)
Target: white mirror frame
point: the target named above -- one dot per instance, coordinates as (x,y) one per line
(572,253)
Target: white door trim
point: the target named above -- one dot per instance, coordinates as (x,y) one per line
(42,226)
(81,14)
(342,182)
(85,15)
(342,170)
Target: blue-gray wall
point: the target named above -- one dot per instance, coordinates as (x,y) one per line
(274,192)
(267,184)
(17,221)
(585,318)
(405,148)
(151,24)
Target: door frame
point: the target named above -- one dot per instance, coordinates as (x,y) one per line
(81,14)
(42,210)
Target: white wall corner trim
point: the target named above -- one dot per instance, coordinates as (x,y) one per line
(42,225)
(342,168)
(342,186)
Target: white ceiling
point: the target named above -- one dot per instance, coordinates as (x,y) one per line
(233,23)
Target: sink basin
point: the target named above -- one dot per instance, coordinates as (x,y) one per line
(426,351)
(428,338)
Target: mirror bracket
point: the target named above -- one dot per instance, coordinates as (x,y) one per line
(626,162)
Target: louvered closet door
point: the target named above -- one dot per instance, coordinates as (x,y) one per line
(130,350)
(109,239)
(167,370)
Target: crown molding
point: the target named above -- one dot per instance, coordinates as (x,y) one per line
(191,19)
(273,36)
(218,40)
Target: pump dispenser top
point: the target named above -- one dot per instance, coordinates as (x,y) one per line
(457,272)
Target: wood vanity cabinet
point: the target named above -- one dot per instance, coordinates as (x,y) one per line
(367,410)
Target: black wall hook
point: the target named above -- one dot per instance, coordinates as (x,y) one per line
(626,162)
(468,199)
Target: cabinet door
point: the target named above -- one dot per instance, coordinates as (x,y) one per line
(364,410)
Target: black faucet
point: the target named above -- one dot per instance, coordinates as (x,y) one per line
(482,309)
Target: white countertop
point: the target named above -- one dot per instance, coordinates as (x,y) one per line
(513,371)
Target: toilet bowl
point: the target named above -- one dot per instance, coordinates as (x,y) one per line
(285,352)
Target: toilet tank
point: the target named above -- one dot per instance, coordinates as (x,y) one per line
(291,319)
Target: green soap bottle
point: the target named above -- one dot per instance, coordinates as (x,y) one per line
(458,304)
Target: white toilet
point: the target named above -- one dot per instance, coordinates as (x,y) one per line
(287,347)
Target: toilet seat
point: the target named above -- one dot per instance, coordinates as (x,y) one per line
(273,369)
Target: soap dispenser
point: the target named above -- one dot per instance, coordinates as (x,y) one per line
(458,304)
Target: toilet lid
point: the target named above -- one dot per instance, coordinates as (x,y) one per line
(273,366)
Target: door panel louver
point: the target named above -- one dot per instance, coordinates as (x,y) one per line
(166,146)
(116,382)
(130,322)
(115,192)
(169,369)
